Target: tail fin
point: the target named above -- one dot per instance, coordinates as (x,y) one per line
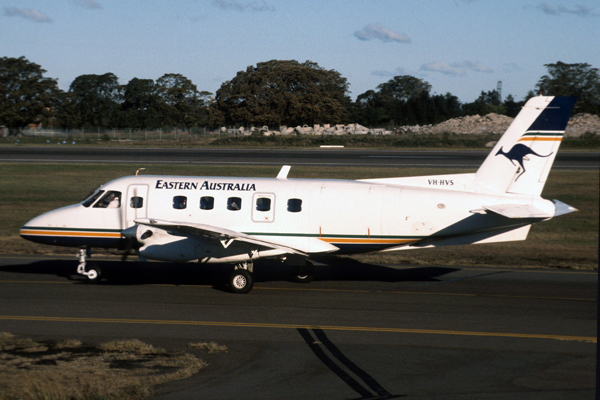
(521,160)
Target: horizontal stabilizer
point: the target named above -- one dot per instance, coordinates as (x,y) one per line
(562,208)
(508,234)
(518,211)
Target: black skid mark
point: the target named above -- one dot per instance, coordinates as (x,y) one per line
(369,381)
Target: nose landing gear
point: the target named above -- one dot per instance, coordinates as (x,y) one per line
(92,273)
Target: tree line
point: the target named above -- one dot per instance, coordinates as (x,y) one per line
(272,93)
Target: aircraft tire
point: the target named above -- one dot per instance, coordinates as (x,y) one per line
(93,274)
(241,281)
(304,273)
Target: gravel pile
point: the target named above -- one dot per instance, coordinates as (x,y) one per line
(495,123)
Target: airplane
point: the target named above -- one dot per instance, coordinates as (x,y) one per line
(237,221)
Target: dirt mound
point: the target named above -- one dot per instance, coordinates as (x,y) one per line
(582,123)
(495,123)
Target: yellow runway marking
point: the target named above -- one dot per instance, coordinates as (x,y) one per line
(589,339)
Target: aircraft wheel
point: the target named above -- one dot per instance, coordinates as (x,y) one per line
(241,281)
(304,273)
(93,274)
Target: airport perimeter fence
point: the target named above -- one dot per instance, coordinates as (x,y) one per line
(120,134)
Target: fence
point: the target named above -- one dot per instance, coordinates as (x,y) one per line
(194,133)
(117,134)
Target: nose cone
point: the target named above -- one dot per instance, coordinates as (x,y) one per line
(73,226)
(45,228)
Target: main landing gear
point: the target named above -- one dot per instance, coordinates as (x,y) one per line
(91,272)
(241,279)
(304,273)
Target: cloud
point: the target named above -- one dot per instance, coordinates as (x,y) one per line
(456,68)
(579,10)
(511,67)
(91,4)
(396,72)
(242,6)
(378,31)
(475,66)
(32,15)
(442,67)
(548,9)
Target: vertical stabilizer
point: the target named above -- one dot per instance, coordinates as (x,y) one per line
(521,160)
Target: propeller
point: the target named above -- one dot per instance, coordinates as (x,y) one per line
(130,233)
(132,243)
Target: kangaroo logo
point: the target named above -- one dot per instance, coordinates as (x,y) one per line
(518,153)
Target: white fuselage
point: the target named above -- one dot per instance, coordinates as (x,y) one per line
(310,215)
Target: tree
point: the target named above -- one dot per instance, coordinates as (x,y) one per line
(403,88)
(512,107)
(579,80)
(95,100)
(26,96)
(184,105)
(368,109)
(404,100)
(487,102)
(142,105)
(284,93)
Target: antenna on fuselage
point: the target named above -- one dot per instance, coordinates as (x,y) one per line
(141,169)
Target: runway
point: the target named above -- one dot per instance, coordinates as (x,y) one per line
(315,157)
(357,331)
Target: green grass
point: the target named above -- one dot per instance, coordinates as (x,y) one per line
(27,190)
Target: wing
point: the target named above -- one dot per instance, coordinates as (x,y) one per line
(226,236)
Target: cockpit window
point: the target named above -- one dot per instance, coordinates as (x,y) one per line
(92,198)
(112,199)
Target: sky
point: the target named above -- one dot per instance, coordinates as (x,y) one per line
(458,46)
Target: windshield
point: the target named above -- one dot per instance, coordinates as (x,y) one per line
(92,198)
(112,199)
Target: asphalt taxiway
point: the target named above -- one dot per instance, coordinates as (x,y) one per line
(357,331)
(314,157)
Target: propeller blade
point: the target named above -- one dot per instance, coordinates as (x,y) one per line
(130,235)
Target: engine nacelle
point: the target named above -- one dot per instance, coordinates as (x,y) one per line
(164,245)
(159,244)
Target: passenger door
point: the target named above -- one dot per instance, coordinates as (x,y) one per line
(137,203)
(263,207)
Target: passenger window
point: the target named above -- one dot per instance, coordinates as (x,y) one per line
(136,202)
(263,204)
(234,203)
(294,205)
(92,198)
(207,203)
(111,199)
(179,202)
